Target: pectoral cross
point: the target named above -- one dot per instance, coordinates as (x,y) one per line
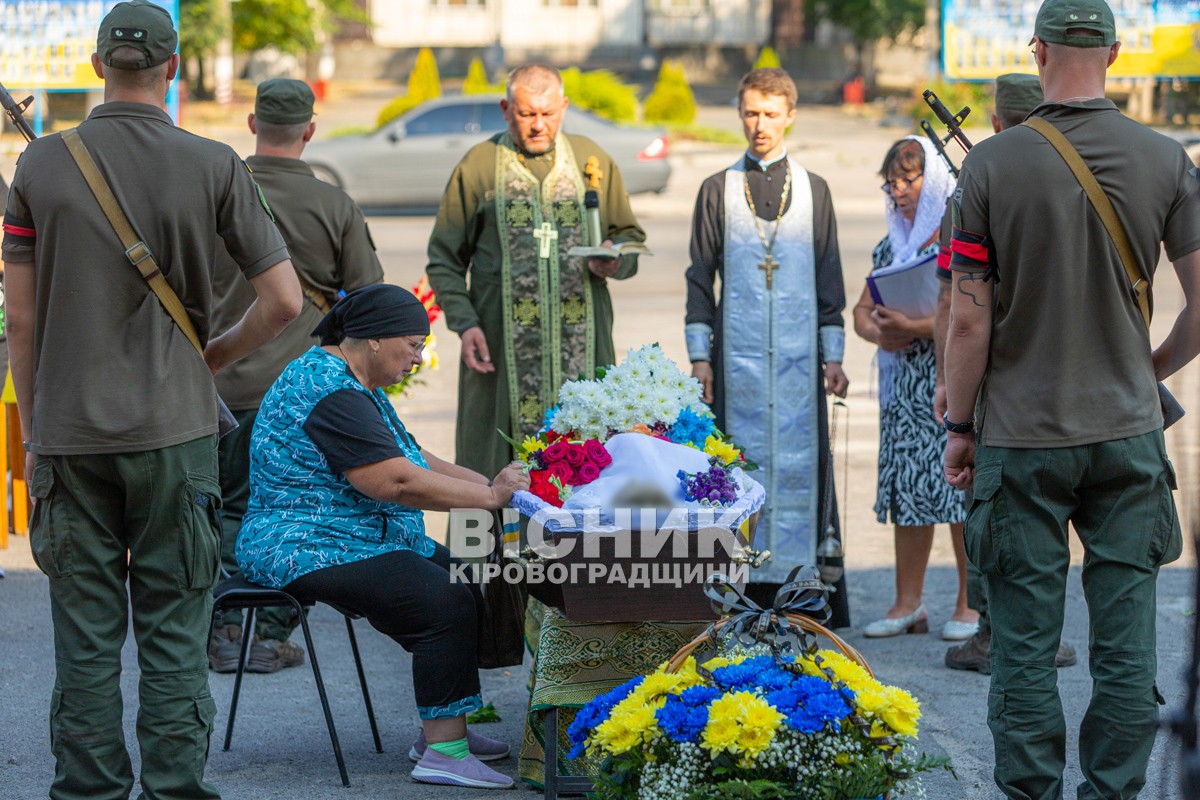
(769,266)
(593,172)
(547,234)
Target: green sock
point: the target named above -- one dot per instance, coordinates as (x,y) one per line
(456,749)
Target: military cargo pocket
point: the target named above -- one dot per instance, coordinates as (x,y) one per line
(200,543)
(1167,544)
(985,535)
(49,538)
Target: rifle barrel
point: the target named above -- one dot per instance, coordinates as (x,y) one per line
(15,112)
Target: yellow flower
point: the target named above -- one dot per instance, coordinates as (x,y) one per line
(656,685)
(721,449)
(720,734)
(740,722)
(627,727)
(688,676)
(902,711)
(760,720)
(717,663)
(845,670)
(531,445)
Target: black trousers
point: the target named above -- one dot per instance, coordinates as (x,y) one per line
(412,599)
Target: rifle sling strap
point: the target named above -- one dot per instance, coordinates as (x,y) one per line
(1104,208)
(136,251)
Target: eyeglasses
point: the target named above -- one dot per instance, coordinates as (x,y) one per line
(893,185)
(417,348)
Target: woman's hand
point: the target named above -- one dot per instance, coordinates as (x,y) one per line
(511,479)
(895,329)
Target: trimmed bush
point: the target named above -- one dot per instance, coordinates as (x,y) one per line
(767,57)
(602,93)
(423,84)
(477,79)
(671,101)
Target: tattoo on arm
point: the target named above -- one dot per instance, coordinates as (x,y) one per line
(965,290)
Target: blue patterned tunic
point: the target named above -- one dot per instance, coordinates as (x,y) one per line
(303,516)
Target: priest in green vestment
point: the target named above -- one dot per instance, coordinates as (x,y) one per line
(530,317)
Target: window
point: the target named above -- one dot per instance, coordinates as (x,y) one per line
(440,121)
(677,6)
(491,119)
(570,3)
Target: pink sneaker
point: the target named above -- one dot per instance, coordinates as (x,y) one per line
(442,769)
(481,747)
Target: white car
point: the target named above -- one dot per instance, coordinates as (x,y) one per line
(406,163)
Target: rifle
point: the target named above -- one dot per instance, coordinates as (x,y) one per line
(953,123)
(16,112)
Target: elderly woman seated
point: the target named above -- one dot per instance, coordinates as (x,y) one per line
(337,486)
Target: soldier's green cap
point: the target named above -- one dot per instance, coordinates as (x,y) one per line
(139,24)
(1016,91)
(1056,17)
(284,101)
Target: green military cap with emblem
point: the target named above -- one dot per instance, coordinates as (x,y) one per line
(283,101)
(141,25)
(1057,18)
(1016,91)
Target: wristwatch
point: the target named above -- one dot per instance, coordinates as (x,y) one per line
(958,427)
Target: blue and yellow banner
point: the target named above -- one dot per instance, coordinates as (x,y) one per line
(985,38)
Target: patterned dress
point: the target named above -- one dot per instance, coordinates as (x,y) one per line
(303,516)
(912,489)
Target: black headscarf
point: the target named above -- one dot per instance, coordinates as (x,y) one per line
(380,311)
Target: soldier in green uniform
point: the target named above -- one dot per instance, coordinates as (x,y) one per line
(1049,356)
(332,252)
(121,411)
(1017,94)
(530,316)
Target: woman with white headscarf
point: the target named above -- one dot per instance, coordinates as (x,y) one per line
(912,491)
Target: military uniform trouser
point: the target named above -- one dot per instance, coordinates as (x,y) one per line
(147,520)
(1117,494)
(976,591)
(233,460)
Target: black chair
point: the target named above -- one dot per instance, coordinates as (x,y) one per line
(239,593)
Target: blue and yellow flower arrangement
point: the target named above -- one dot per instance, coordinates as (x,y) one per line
(757,719)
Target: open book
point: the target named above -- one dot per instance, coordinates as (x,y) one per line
(910,287)
(616,251)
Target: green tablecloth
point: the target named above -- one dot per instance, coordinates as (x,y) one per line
(574,662)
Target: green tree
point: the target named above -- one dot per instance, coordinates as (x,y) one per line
(767,57)
(423,84)
(869,21)
(291,26)
(672,100)
(477,79)
(200,26)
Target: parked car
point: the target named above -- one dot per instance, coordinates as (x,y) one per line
(406,163)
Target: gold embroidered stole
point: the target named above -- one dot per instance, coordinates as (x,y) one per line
(549,323)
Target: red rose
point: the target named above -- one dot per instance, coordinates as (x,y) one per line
(556,452)
(597,453)
(586,473)
(561,470)
(540,486)
(575,455)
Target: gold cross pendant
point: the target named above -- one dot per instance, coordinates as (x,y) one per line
(769,266)
(547,234)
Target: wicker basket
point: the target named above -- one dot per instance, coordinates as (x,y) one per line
(798,620)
